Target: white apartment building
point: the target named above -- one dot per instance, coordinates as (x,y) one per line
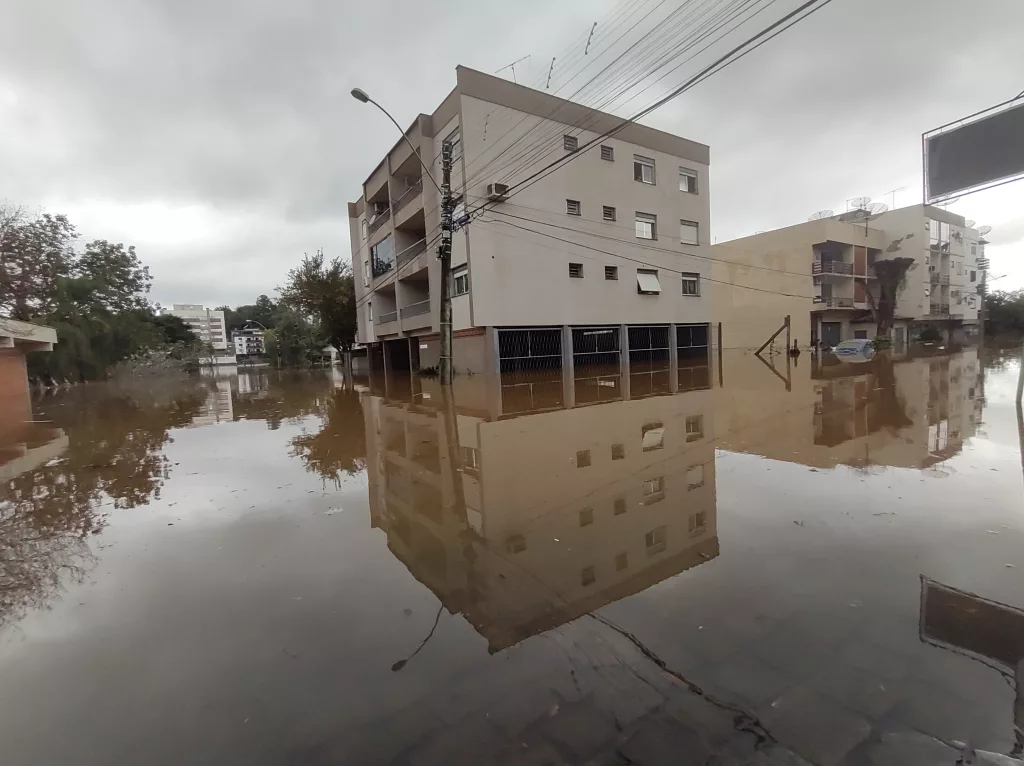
(208,324)
(819,273)
(249,342)
(608,254)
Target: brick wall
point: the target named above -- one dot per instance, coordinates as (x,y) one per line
(15,401)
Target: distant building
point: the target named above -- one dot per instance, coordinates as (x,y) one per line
(16,339)
(609,252)
(249,342)
(819,273)
(208,324)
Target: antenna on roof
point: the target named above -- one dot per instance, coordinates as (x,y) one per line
(984,231)
(550,70)
(969,223)
(589,38)
(857,203)
(512,66)
(819,215)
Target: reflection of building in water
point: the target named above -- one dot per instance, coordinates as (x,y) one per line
(28,447)
(218,406)
(913,413)
(555,513)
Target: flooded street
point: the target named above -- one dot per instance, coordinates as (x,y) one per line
(790,564)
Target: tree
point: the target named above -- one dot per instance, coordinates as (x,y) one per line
(117,279)
(175,330)
(325,291)
(1004,313)
(34,254)
(889,274)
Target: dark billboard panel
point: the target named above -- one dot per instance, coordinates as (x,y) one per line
(975,153)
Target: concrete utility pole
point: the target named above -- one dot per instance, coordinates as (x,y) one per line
(444,255)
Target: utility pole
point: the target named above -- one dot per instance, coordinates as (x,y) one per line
(444,255)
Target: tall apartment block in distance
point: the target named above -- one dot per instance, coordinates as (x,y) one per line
(603,261)
(208,324)
(819,272)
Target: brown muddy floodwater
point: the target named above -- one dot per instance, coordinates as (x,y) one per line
(788,565)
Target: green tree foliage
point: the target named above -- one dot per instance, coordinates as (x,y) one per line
(326,292)
(264,311)
(35,252)
(890,274)
(1004,313)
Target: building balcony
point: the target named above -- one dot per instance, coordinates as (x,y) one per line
(832,303)
(387,323)
(938,279)
(832,267)
(416,315)
(939,309)
(407,196)
(411,251)
(378,220)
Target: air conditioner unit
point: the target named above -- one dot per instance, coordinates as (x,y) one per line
(497,191)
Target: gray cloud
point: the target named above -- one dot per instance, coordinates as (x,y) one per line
(242,107)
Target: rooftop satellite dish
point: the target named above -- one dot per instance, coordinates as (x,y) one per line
(876,208)
(969,223)
(984,230)
(858,203)
(820,214)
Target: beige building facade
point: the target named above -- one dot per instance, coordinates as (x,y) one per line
(618,237)
(819,273)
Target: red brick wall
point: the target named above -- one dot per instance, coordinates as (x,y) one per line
(15,401)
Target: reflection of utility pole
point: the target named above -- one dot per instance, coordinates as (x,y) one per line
(444,255)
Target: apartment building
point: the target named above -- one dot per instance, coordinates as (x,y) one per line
(819,273)
(208,324)
(614,241)
(248,342)
(617,496)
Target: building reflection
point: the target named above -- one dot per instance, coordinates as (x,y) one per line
(911,413)
(523,514)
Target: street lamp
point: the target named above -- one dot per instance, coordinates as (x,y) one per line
(360,95)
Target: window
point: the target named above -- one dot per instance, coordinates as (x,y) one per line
(586,517)
(611,272)
(691,284)
(608,213)
(470,460)
(974,249)
(369,310)
(364,228)
(860,334)
(654,490)
(655,541)
(647,282)
(646,226)
(643,169)
(698,522)
(974,275)
(576,270)
(587,576)
(572,207)
(455,138)
(515,544)
(607,153)
(583,458)
(382,256)
(695,477)
(687,180)
(652,436)
(688,233)
(621,562)
(460,280)
(570,143)
(620,506)
(694,428)
(618,451)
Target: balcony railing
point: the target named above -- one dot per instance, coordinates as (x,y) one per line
(412,251)
(834,303)
(407,196)
(939,309)
(390,316)
(416,309)
(938,279)
(378,221)
(832,267)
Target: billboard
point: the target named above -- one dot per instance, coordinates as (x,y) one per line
(976,152)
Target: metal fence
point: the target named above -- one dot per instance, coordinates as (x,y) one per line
(530,349)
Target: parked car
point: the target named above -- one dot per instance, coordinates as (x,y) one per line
(859,350)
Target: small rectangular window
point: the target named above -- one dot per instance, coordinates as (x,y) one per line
(647,282)
(587,576)
(698,522)
(576,270)
(586,517)
(652,436)
(621,562)
(691,284)
(611,272)
(607,153)
(687,180)
(365,228)
(607,213)
(974,275)
(695,477)
(460,280)
(618,451)
(688,233)
(974,248)
(646,226)
(572,207)
(619,506)
(570,143)
(643,169)
(694,428)
(655,541)
(583,458)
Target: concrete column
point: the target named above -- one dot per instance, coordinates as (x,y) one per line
(568,369)
(624,359)
(673,359)
(494,350)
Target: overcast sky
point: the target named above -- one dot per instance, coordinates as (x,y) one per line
(218,136)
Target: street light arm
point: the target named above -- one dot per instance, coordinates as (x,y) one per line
(426,169)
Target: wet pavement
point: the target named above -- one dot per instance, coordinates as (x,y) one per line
(778,563)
